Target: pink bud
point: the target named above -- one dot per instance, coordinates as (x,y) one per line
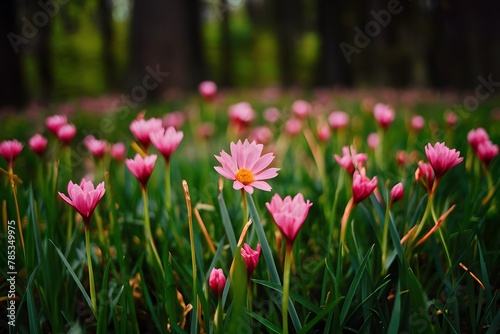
(487,151)
(66,133)
(373,140)
(217,281)
(251,257)
(362,186)
(207,89)
(338,120)
(301,108)
(397,192)
(38,144)
(118,151)
(142,168)
(417,123)
(9,150)
(383,114)
(55,122)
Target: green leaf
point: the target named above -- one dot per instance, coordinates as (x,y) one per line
(269,325)
(226,221)
(320,316)
(102,320)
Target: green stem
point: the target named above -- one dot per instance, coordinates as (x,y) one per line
(219,316)
(149,235)
(286,287)
(430,199)
(193,250)
(245,208)
(91,272)
(379,152)
(385,235)
(168,191)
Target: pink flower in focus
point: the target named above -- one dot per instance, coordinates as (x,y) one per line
(84,198)
(142,168)
(55,122)
(424,174)
(293,126)
(251,257)
(207,89)
(272,115)
(175,119)
(441,158)
(397,192)
(486,152)
(417,123)
(373,140)
(166,141)
(383,114)
(9,150)
(301,108)
(350,160)
(217,281)
(262,135)
(289,214)
(246,167)
(338,120)
(118,151)
(96,147)
(477,136)
(141,129)
(38,144)
(362,186)
(66,133)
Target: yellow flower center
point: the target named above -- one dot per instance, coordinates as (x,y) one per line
(245,176)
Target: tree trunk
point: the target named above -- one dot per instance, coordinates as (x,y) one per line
(106,27)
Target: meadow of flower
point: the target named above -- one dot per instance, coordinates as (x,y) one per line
(341,212)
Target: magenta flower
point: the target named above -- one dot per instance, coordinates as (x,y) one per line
(477,136)
(96,147)
(272,115)
(397,192)
(373,140)
(66,132)
(362,186)
(417,123)
(246,167)
(175,119)
(251,257)
(38,144)
(383,114)
(289,214)
(441,158)
(55,122)
(217,281)
(84,198)
(350,160)
(207,89)
(118,151)
(486,152)
(338,120)
(142,168)
(324,132)
(301,108)
(166,141)
(9,150)
(141,129)
(451,119)
(293,126)
(424,174)
(241,113)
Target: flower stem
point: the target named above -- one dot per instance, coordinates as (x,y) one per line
(149,235)
(191,239)
(430,199)
(384,236)
(345,218)
(91,272)
(219,316)
(286,287)
(245,209)
(168,191)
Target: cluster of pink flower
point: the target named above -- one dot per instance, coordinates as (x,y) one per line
(482,146)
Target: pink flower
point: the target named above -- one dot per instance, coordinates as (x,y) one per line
(362,186)
(205,130)
(272,115)
(424,174)
(9,150)
(241,114)
(38,144)
(141,129)
(477,136)
(251,257)
(350,160)
(246,167)
(118,151)
(84,198)
(486,152)
(417,123)
(166,141)
(175,119)
(217,281)
(96,147)
(451,119)
(289,214)
(397,192)
(441,158)
(207,89)
(142,168)
(293,126)
(66,133)
(383,114)
(324,132)
(262,135)
(373,140)
(338,120)
(301,108)
(55,122)
(401,158)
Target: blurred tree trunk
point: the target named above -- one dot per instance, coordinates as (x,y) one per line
(106,27)
(44,56)
(12,87)
(160,49)
(196,40)
(226,55)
